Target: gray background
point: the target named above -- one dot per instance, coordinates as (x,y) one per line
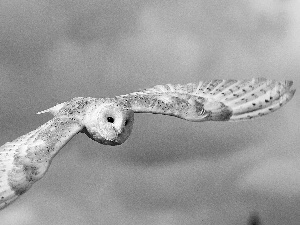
(170,171)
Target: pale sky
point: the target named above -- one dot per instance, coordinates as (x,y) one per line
(170,171)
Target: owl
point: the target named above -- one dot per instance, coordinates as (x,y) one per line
(109,121)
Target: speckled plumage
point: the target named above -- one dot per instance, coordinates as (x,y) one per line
(110,120)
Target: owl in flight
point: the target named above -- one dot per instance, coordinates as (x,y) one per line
(109,121)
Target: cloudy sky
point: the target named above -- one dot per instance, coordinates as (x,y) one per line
(170,171)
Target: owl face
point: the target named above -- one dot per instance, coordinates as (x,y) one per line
(109,123)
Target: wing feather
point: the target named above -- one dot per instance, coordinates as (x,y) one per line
(26,159)
(212,100)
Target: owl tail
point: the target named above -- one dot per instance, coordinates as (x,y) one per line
(246,99)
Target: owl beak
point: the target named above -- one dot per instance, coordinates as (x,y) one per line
(118,131)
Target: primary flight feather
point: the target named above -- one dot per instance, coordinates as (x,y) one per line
(109,121)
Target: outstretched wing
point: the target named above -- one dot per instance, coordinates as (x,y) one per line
(215,100)
(26,159)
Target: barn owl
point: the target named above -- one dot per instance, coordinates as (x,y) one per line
(109,121)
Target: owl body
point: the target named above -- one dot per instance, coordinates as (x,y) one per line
(109,121)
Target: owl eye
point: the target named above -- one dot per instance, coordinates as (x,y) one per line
(126,122)
(110,119)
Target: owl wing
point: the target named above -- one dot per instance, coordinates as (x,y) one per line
(26,159)
(214,100)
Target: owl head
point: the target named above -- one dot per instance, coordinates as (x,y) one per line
(108,123)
